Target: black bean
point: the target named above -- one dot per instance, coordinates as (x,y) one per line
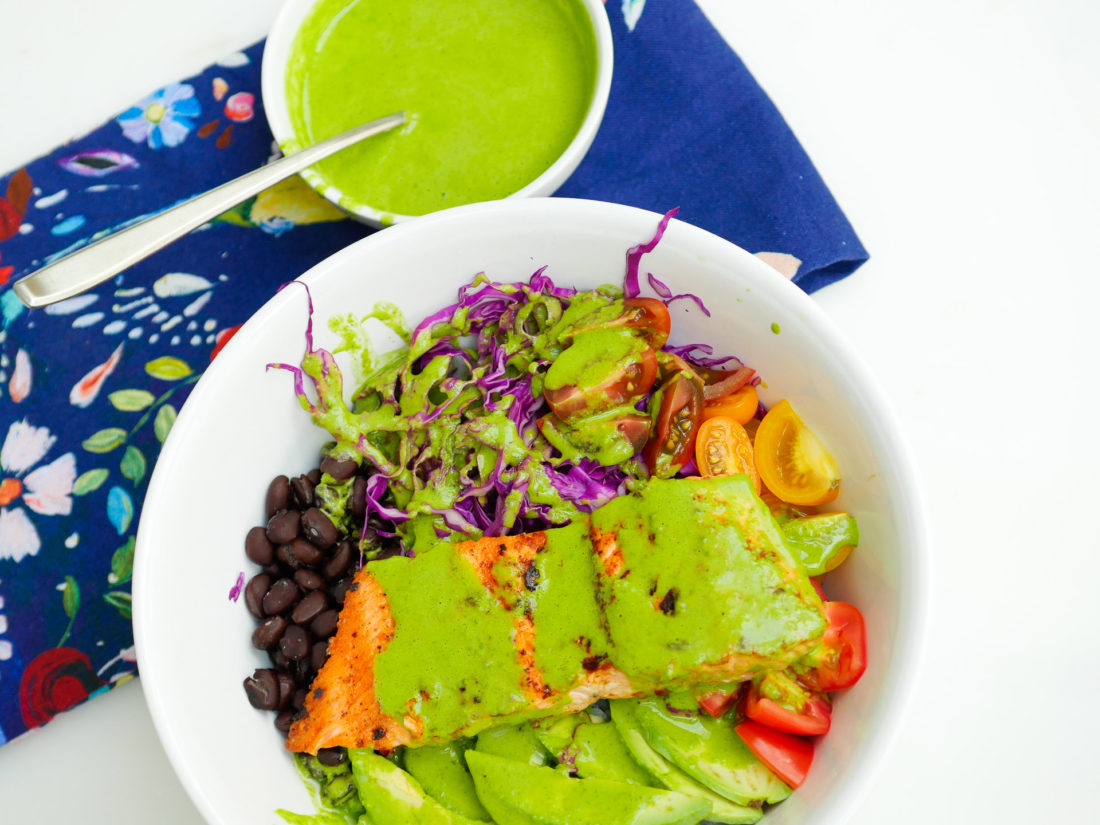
(319,529)
(340,589)
(318,655)
(325,624)
(295,643)
(257,546)
(274,569)
(283,526)
(387,552)
(286,688)
(254,593)
(281,597)
(286,558)
(284,720)
(278,495)
(267,633)
(341,469)
(303,553)
(314,475)
(357,497)
(308,580)
(298,700)
(331,757)
(308,608)
(302,672)
(338,564)
(301,489)
(280,661)
(370,533)
(262,689)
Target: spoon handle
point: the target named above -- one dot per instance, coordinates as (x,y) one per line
(99,261)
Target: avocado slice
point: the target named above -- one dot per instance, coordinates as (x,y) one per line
(441,771)
(516,742)
(519,794)
(821,542)
(706,749)
(393,796)
(669,776)
(590,749)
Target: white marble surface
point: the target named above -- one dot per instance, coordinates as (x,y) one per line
(961,138)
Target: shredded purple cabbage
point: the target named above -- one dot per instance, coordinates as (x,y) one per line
(235,590)
(481,352)
(662,290)
(631,289)
(699,355)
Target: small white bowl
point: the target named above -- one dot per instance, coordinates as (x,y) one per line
(243,425)
(277,52)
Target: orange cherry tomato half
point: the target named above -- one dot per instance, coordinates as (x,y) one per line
(675,426)
(841,658)
(809,713)
(719,702)
(792,462)
(788,756)
(740,406)
(723,448)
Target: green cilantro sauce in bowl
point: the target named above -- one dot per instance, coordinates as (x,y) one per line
(503,97)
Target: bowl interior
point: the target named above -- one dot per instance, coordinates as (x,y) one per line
(277,52)
(242,426)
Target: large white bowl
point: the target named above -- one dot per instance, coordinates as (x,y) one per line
(242,426)
(277,52)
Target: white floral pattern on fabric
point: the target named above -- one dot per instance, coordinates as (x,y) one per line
(18,538)
(24,447)
(46,490)
(632,11)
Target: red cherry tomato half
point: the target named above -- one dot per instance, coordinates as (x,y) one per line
(673,441)
(719,702)
(729,383)
(628,381)
(842,656)
(788,756)
(648,317)
(811,718)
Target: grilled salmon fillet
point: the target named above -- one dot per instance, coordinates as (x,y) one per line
(680,583)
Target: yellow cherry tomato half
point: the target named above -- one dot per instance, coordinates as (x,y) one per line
(740,406)
(723,448)
(791,460)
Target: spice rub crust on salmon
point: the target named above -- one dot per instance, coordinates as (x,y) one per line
(682,582)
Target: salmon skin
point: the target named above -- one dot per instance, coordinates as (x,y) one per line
(680,583)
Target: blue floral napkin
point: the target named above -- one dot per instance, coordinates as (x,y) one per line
(89,387)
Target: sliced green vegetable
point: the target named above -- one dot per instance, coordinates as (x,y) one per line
(441,771)
(667,775)
(394,797)
(519,794)
(706,749)
(820,540)
(518,742)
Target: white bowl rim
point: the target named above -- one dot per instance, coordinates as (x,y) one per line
(911,634)
(273,89)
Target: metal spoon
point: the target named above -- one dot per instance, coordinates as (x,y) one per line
(99,261)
